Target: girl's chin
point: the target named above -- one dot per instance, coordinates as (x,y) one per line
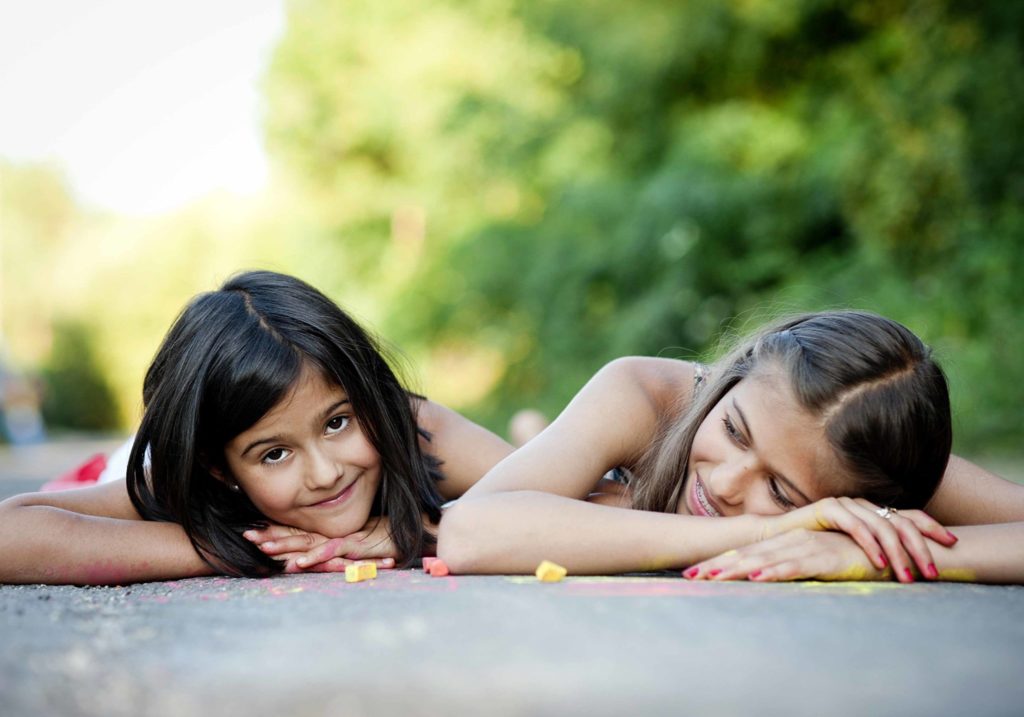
(343,525)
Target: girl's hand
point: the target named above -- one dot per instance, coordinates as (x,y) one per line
(898,540)
(312,552)
(797,555)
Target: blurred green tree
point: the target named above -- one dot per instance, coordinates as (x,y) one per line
(75,393)
(564,182)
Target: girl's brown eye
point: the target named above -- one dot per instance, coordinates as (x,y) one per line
(275,455)
(338,423)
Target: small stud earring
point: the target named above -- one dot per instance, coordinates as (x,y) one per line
(235,487)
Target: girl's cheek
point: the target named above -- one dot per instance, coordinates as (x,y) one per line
(273,506)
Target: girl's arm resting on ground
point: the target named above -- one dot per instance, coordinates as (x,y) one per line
(466,451)
(512,533)
(983,553)
(971,495)
(89,536)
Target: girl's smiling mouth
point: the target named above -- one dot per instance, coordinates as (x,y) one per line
(700,504)
(339,498)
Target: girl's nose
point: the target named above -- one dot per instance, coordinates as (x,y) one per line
(323,472)
(729,481)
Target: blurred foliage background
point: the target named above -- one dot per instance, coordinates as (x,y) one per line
(516,192)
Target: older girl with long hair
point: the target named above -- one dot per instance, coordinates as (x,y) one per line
(812,450)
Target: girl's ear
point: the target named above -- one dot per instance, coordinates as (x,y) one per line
(221,474)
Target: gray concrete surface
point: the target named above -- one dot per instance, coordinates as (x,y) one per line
(409,644)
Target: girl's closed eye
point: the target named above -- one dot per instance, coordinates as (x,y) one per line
(778,495)
(733,432)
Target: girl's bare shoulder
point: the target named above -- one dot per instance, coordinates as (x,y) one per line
(661,381)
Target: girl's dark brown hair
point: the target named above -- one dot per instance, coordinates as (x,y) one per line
(882,398)
(230,357)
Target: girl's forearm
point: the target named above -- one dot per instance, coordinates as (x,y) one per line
(512,532)
(44,544)
(984,553)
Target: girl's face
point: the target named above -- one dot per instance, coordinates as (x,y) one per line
(307,463)
(759,452)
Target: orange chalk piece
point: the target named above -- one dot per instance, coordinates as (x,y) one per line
(427,562)
(437,568)
(548,572)
(359,571)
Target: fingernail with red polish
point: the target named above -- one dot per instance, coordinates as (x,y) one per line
(910,575)
(691,573)
(932,571)
(755,574)
(952,537)
(883,561)
(714,572)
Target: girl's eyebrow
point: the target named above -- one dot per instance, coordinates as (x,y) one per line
(260,442)
(325,414)
(750,439)
(279,438)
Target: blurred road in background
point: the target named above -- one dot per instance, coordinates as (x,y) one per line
(25,468)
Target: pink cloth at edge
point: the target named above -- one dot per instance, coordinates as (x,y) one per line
(84,475)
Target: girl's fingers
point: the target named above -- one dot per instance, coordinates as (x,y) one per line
(780,571)
(338,565)
(334,548)
(736,564)
(902,540)
(893,550)
(288,544)
(838,513)
(271,532)
(927,526)
(796,555)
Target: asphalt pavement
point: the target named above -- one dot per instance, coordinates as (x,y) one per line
(410,644)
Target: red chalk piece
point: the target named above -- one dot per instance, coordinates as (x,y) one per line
(426,564)
(438,569)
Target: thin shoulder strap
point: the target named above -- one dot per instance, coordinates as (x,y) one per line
(700,375)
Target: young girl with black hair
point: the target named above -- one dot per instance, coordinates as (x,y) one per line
(266,406)
(745,461)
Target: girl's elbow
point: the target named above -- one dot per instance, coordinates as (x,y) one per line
(458,539)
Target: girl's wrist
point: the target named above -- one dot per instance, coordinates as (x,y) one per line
(763,527)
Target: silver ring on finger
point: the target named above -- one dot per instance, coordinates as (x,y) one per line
(886,512)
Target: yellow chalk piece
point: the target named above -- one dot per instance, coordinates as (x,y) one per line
(362,570)
(548,572)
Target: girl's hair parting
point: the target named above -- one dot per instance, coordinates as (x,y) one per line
(230,357)
(882,399)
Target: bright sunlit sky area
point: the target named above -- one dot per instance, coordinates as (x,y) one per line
(145,106)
